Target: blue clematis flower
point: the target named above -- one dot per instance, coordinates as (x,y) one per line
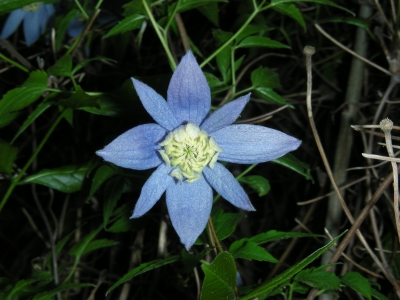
(35,17)
(185,146)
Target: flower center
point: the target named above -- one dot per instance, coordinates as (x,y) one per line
(189,149)
(32,7)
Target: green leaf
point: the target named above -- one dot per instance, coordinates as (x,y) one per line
(269,95)
(257,183)
(213,81)
(211,12)
(8,118)
(223,62)
(190,4)
(112,193)
(286,275)
(250,30)
(259,41)
(319,279)
(86,61)
(9,5)
(352,21)
(7,157)
(220,278)
(79,99)
(291,11)
(358,283)
(67,286)
(128,24)
(41,108)
(291,162)
(326,2)
(102,174)
(145,267)
(97,244)
(62,67)
(378,295)
(67,179)
(191,260)
(22,97)
(121,225)
(79,248)
(251,251)
(264,77)
(19,287)
(224,223)
(221,36)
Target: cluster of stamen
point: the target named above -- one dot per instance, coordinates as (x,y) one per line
(189,149)
(32,7)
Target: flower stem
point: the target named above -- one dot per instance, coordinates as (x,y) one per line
(14,63)
(82,10)
(214,234)
(161,36)
(15,181)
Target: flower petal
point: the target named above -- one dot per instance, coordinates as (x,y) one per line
(250,144)
(188,92)
(155,105)
(45,11)
(227,186)
(136,148)
(14,19)
(152,190)
(226,115)
(32,26)
(189,206)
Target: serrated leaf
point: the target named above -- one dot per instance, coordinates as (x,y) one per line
(319,279)
(257,183)
(62,67)
(8,154)
(112,193)
(128,24)
(145,267)
(67,286)
(220,278)
(224,223)
(286,275)
(291,162)
(21,97)
(264,77)
(79,99)
(67,179)
(97,244)
(358,283)
(291,11)
(251,251)
(269,95)
(41,108)
(259,41)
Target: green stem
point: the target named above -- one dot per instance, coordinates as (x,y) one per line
(243,91)
(162,38)
(15,182)
(172,16)
(257,9)
(81,9)
(233,71)
(14,63)
(98,5)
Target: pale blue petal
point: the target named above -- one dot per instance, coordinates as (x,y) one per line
(188,92)
(152,190)
(32,29)
(155,105)
(227,186)
(136,149)
(250,144)
(75,28)
(189,206)
(226,115)
(14,19)
(45,11)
